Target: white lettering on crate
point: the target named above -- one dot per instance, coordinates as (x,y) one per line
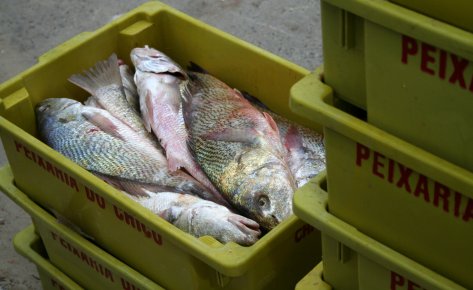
(136,224)
(436,62)
(47,166)
(57,285)
(433,192)
(400,282)
(82,256)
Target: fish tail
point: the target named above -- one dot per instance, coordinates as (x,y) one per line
(104,73)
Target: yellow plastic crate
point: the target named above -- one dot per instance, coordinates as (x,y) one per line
(413,74)
(353,260)
(28,244)
(394,192)
(455,12)
(84,262)
(356,58)
(313,280)
(165,254)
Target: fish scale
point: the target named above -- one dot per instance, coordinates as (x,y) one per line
(104,83)
(100,152)
(305,147)
(62,125)
(239,149)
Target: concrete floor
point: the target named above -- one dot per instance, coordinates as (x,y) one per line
(29,28)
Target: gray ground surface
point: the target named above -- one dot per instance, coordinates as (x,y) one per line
(29,28)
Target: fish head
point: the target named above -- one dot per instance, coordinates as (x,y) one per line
(54,111)
(147,59)
(266,193)
(57,109)
(222,224)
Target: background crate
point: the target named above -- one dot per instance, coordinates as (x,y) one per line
(351,259)
(394,192)
(28,244)
(88,265)
(412,73)
(57,183)
(344,53)
(313,280)
(456,12)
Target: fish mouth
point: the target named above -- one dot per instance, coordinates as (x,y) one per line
(246,225)
(271,221)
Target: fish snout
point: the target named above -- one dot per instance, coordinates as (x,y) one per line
(276,216)
(248,230)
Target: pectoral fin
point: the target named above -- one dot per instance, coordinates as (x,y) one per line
(106,122)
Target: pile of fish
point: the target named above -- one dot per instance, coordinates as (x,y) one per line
(194,151)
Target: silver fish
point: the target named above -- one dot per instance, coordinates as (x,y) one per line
(104,83)
(69,127)
(240,150)
(200,217)
(158,80)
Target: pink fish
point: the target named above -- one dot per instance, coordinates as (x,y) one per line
(158,79)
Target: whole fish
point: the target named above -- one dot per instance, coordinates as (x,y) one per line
(158,80)
(104,83)
(239,148)
(200,217)
(306,149)
(69,127)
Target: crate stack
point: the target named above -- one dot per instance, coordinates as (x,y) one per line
(395,97)
(128,247)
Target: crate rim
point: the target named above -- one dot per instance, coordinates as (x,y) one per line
(412,23)
(22,242)
(311,98)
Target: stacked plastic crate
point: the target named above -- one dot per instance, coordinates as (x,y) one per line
(128,247)
(395,97)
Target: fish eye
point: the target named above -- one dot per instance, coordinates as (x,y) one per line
(43,108)
(263,201)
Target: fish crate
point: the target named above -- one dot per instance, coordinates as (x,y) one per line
(77,257)
(351,45)
(147,243)
(412,74)
(456,12)
(313,280)
(400,195)
(353,260)
(29,244)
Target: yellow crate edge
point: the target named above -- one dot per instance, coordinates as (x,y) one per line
(23,242)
